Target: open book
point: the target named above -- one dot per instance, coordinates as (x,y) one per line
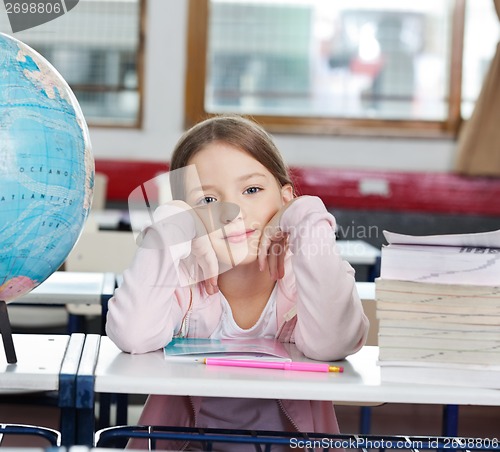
(490,239)
(196,349)
(444,259)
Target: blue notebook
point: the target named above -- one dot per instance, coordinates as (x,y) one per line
(195,349)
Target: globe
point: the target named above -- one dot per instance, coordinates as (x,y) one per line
(46,169)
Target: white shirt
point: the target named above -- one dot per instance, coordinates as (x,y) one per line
(266,326)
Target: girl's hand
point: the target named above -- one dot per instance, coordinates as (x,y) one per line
(273,246)
(203,260)
(205,263)
(202,263)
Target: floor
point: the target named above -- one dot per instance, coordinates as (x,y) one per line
(422,420)
(28,414)
(391,419)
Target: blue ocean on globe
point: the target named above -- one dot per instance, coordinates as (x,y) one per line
(46,169)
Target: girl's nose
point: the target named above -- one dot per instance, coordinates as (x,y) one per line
(227,212)
(216,215)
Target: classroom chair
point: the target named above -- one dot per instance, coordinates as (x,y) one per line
(210,438)
(49,436)
(100,191)
(102,251)
(98,251)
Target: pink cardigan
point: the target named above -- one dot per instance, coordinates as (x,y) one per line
(318,308)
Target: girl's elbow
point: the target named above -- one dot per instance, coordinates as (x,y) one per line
(335,349)
(130,339)
(122,343)
(334,352)
(127,345)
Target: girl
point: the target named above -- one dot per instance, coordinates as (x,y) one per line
(267,268)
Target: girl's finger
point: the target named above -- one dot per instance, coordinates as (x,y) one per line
(270,235)
(277,259)
(264,244)
(206,262)
(210,268)
(281,260)
(272,263)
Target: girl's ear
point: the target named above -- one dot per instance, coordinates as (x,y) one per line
(287,193)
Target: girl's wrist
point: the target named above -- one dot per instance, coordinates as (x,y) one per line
(298,209)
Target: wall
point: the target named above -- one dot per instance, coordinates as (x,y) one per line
(163,116)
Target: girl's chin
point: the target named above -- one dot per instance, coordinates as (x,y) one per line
(234,254)
(237,257)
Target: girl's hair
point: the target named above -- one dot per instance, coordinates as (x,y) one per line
(236,131)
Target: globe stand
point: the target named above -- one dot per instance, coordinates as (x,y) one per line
(6,330)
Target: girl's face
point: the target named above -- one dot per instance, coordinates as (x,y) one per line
(226,174)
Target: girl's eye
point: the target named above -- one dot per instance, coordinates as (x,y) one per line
(252,190)
(207,200)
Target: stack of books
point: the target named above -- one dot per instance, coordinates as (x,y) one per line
(438,303)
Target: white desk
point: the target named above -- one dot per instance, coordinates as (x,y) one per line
(108,218)
(71,287)
(77,289)
(150,374)
(111,219)
(46,363)
(358,252)
(366,291)
(39,360)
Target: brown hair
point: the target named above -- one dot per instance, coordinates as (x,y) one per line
(238,132)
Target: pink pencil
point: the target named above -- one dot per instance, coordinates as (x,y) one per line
(300,366)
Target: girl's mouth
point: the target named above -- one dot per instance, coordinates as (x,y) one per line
(237,237)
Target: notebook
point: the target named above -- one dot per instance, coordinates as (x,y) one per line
(196,349)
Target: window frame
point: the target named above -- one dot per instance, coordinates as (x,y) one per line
(197,37)
(138,124)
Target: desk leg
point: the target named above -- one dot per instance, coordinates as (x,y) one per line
(104,313)
(67,389)
(67,426)
(104,410)
(450,420)
(85,380)
(108,289)
(6,330)
(105,402)
(86,427)
(121,409)
(365,420)
(76,324)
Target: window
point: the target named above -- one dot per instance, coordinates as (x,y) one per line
(98,49)
(349,66)
(481,38)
